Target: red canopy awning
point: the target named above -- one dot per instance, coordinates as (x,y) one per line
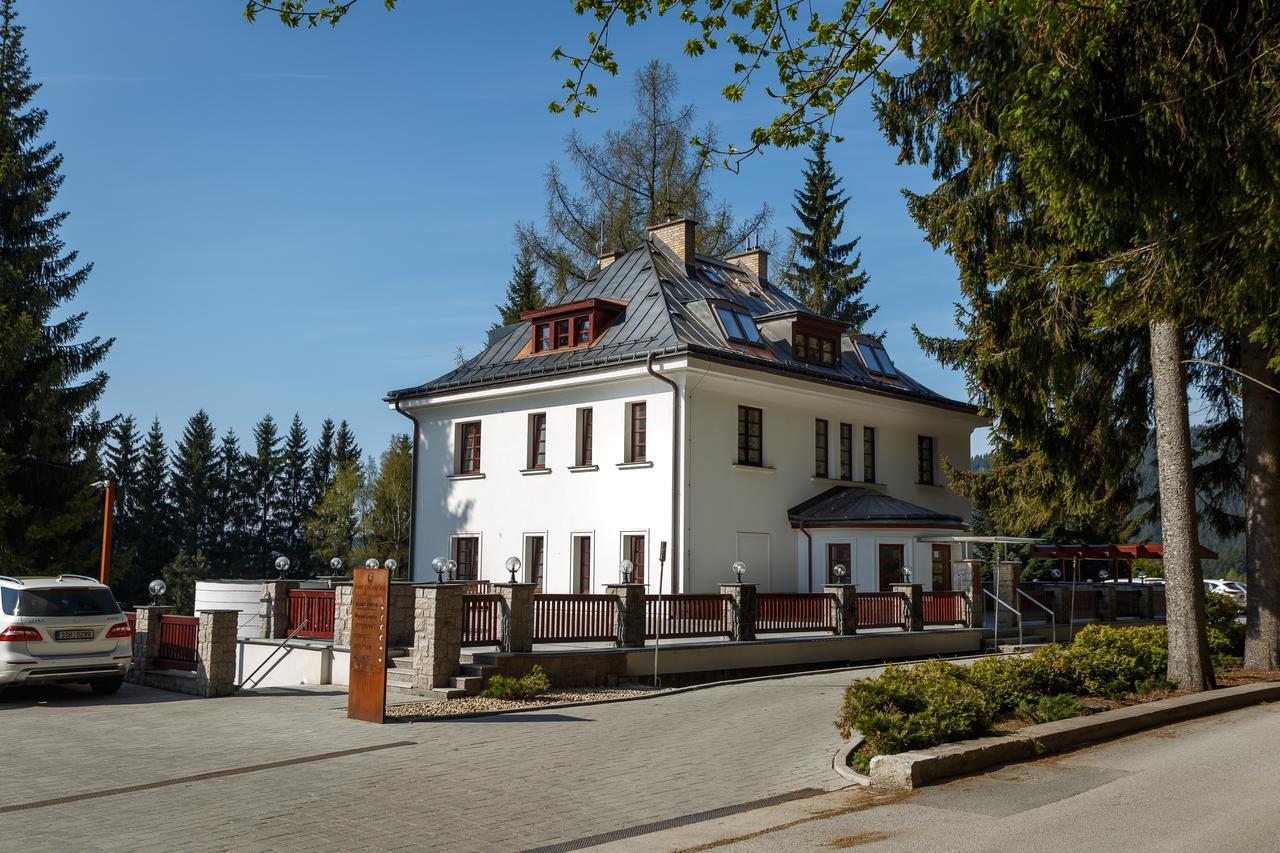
(1107,552)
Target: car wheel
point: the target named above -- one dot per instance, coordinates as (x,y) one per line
(106,685)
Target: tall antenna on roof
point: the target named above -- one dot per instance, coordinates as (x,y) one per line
(600,241)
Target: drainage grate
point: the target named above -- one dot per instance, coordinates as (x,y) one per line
(198,777)
(672,823)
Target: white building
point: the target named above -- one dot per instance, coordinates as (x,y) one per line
(679,399)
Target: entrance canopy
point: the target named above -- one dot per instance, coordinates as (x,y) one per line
(1107,552)
(853,506)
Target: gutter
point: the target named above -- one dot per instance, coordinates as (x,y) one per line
(809,553)
(413,487)
(676,563)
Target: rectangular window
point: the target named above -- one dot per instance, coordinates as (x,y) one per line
(839,554)
(582,329)
(469,448)
(738,326)
(466,553)
(585,437)
(535,559)
(542,337)
(538,440)
(637,432)
(814,349)
(846,452)
(562,333)
(940,563)
(820,467)
(582,553)
(633,550)
(750,436)
(892,561)
(868,454)
(876,359)
(924,458)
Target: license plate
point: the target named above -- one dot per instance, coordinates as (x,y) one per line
(74,634)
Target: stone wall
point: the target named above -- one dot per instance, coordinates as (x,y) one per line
(342,616)
(216,646)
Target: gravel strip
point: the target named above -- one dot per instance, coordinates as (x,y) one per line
(479,704)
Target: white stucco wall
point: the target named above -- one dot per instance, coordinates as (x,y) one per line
(506,504)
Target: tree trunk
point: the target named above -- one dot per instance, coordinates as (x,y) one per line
(1261,509)
(1189,664)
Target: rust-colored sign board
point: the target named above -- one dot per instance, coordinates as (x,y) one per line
(367,693)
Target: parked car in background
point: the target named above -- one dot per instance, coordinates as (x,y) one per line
(1233,589)
(68,629)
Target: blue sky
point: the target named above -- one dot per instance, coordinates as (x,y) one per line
(298,221)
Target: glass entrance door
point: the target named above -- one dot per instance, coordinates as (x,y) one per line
(892,559)
(941,562)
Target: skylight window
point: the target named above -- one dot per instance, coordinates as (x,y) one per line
(738,326)
(876,359)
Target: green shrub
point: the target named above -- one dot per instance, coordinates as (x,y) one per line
(1155,684)
(528,686)
(1111,661)
(913,708)
(1007,682)
(1226,631)
(1047,709)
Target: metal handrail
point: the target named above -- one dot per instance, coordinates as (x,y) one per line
(269,657)
(1053,619)
(996,622)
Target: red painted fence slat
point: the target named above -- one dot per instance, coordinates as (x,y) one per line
(574,618)
(315,607)
(795,612)
(945,608)
(178,641)
(482,620)
(883,610)
(687,615)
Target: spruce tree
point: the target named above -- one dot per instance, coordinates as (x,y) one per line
(389,521)
(295,492)
(345,448)
(523,292)
(193,484)
(49,517)
(822,275)
(322,462)
(122,463)
(150,533)
(331,529)
(265,487)
(233,502)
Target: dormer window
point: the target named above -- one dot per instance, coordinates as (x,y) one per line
(570,326)
(876,359)
(738,326)
(815,349)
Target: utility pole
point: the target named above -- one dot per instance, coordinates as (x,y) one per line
(108,488)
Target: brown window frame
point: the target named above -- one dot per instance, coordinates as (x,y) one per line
(885,581)
(637,432)
(846,452)
(633,549)
(747,455)
(586,437)
(868,454)
(821,448)
(542,341)
(536,552)
(582,330)
(469,447)
(466,553)
(815,349)
(583,550)
(925,460)
(537,441)
(833,560)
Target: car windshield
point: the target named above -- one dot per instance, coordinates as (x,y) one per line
(69,601)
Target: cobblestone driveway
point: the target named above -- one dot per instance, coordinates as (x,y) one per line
(501,782)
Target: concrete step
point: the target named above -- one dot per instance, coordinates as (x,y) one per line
(405,662)
(1028,644)
(479,669)
(447,693)
(400,679)
(472,684)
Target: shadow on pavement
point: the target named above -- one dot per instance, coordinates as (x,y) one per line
(79,695)
(499,718)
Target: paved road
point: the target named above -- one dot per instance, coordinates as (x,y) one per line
(1204,785)
(502,782)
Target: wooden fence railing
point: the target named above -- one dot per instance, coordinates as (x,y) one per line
(795,612)
(178,642)
(1088,603)
(945,608)
(315,608)
(1128,603)
(481,620)
(883,610)
(1031,613)
(687,615)
(574,618)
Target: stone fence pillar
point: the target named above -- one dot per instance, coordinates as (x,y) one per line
(216,653)
(437,647)
(966,576)
(846,605)
(342,615)
(1158,610)
(915,601)
(400,614)
(742,616)
(1106,602)
(1006,583)
(517,616)
(146,637)
(273,613)
(1146,608)
(631,622)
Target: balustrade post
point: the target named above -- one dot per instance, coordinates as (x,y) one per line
(1006,583)
(742,618)
(216,652)
(146,637)
(517,616)
(1146,603)
(342,615)
(631,610)
(846,607)
(273,613)
(915,601)
(437,647)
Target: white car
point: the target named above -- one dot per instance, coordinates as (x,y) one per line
(1232,589)
(67,629)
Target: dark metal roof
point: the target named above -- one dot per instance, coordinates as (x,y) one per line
(841,506)
(669,312)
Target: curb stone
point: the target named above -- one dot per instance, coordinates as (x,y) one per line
(907,770)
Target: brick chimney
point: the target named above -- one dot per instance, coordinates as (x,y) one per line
(608,258)
(754,261)
(678,236)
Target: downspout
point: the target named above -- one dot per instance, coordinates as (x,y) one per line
(675,472)
(413,488)
(809,553)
